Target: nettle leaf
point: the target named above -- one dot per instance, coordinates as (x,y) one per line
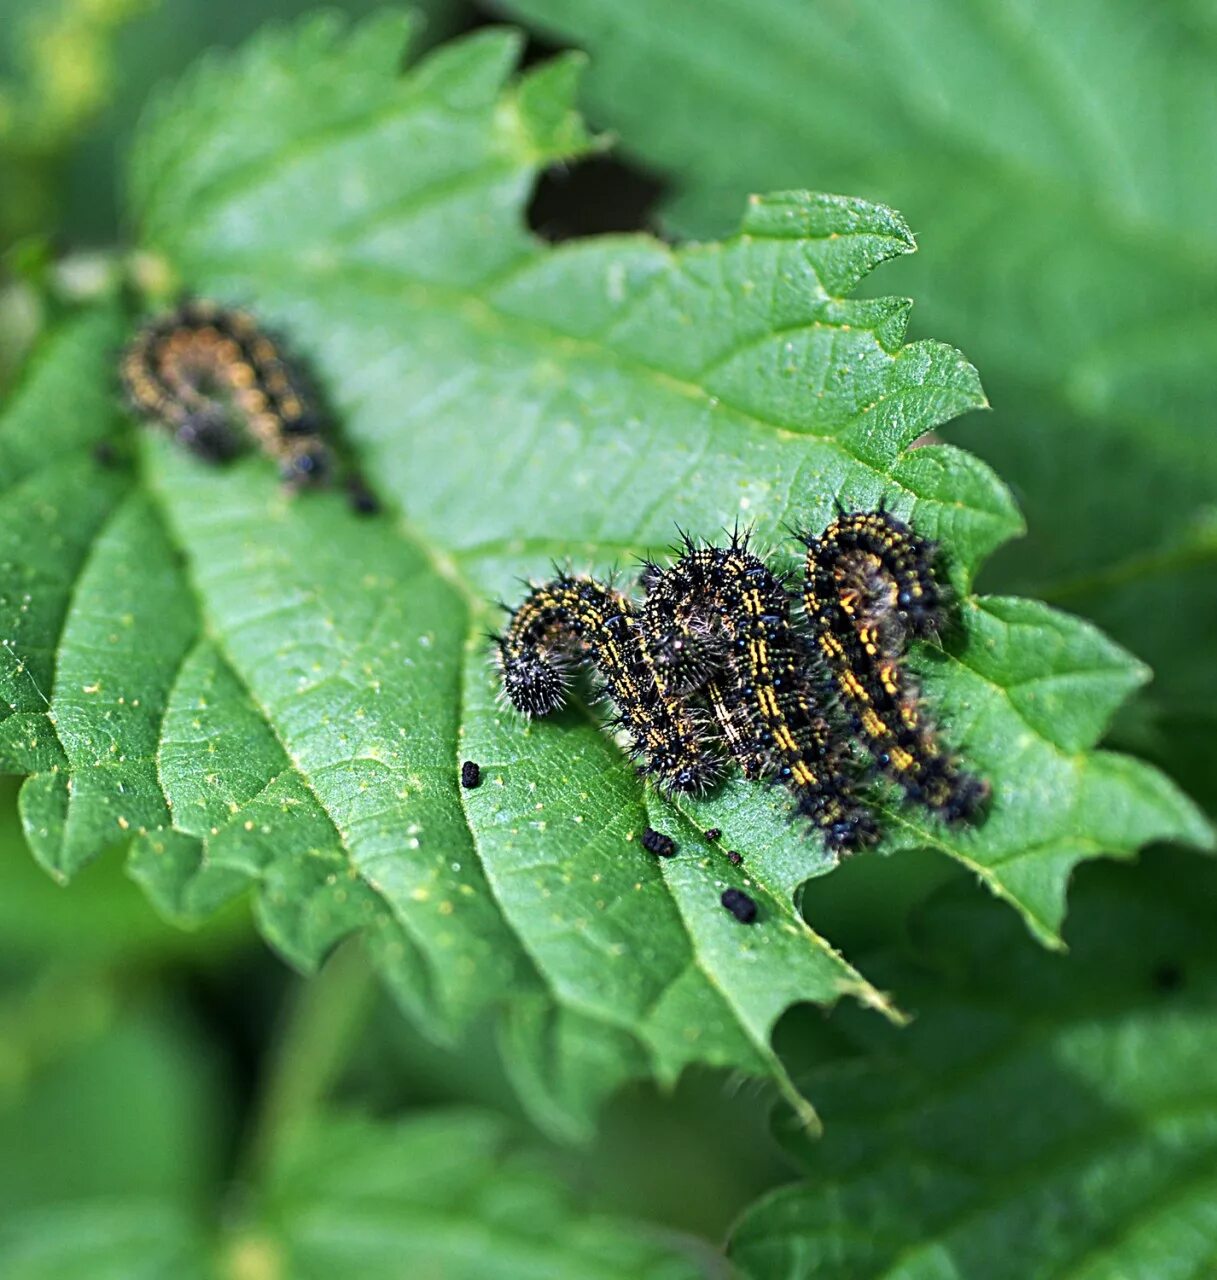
(459,1195)
(1097,1079)
(453,1194)
(119,1238)
(270,691)
(1069,243)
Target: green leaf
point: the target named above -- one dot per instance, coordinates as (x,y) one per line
(114,1239)
(113,1127)
(1043,1116)
(102,919)
(1070,244)
(133,1089)
(57,72)
(453,1194)
(272,691)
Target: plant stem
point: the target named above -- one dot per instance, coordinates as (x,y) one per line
(324,1017)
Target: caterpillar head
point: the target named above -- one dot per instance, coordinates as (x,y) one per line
(532,684)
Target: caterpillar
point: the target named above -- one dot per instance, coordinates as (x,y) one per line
(213,377)
(714,660)
(723,610)
(576,620)
(869,587)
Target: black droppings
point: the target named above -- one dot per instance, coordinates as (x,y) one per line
(741,906)
(362,500)
(471,775)
(657,843)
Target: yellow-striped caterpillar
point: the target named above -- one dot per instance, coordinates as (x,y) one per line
(217,381)
(714,661)
(869,587)
(721,617)
(574,620)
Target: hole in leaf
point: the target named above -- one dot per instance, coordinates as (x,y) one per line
(596,196)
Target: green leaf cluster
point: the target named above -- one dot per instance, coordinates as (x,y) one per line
(267,691)
(1054,160)
(254,697)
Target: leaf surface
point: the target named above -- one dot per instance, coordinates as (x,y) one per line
(262,690)
(1055,162)
(1045,1116)
(453,1194)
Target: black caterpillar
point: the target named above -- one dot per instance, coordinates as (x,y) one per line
(576,620)
(869,587)
(721,617)
(215,379)
(715,661)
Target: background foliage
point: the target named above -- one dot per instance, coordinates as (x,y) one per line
(628,385)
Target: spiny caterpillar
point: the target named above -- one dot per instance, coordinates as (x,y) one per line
(574,619)
(869,588)
(721,617)
(212,376)
(714,659)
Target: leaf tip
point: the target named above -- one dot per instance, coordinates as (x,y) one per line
(816,215)
(870,997)
(546,101)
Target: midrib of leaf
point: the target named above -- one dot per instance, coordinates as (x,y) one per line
(444,567)
(467,304)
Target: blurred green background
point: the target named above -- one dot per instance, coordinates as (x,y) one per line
(137,1059)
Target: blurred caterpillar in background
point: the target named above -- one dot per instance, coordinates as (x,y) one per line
(217,381)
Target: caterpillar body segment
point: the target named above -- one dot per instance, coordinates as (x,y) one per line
(217,381)
(764,701)
(868,588)
(574,621)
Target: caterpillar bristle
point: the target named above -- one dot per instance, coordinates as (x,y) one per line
(219,383)
(721,662)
